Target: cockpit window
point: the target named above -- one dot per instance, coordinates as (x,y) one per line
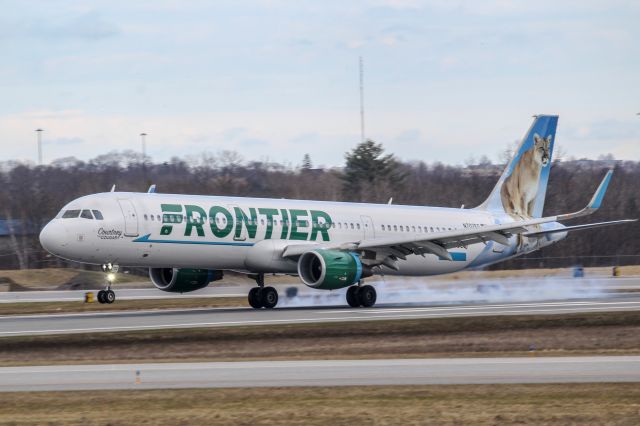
(86,214)
(97,214)
(71,214)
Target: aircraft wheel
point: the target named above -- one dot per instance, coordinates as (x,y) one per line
(109,296)
(101,296)
(255,297)
(352,296)
(367,295)
(269,297)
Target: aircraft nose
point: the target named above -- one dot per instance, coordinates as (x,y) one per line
(52,237)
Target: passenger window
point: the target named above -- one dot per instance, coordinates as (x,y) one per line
(71,214)
(86,214)
(395,227)
(352,225)
(152,218)
(145,217)
(413,228)
(383,227)
(158,218)
(357,225)
(97,215)
(401,228)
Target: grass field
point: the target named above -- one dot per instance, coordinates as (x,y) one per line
(589,333)
(610,404)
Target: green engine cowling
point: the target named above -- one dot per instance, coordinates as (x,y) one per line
(176,280)
(330,269)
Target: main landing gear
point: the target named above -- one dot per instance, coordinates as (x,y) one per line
(364,296)
(261,296)
(107,295)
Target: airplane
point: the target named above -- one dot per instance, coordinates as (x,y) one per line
(189,241)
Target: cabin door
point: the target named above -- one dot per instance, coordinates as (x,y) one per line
(130,217)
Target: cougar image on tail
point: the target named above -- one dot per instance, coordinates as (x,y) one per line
(520,188)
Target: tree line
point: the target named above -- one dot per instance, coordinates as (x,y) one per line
(32,195)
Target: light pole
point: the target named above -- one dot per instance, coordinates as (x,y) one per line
(143,140)
(39,133)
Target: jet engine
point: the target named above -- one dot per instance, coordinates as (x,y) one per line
(331,269)
(176,280)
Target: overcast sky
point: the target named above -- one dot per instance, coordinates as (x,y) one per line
(445,80)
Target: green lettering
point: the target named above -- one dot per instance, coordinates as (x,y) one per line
(217,231)
(194,221)
(295,234)
(285,224)
(323,228)
(269,213)
(168,218)
(251,223)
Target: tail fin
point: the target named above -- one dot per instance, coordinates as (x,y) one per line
(522,187)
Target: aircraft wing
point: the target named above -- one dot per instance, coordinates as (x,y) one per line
(438,243)
(578,227)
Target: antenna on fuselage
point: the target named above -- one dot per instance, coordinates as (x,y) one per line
(152,189)
(113,188)
(390,201)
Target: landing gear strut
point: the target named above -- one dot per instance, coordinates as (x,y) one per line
(364,296)
(107,295)
(261,296)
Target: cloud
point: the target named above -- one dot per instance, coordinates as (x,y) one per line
(90,26)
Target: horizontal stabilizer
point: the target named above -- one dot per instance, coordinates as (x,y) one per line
(578,227)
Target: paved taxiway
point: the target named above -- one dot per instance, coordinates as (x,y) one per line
(20,325)
(323,373)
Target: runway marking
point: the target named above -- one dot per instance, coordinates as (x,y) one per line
(300,320)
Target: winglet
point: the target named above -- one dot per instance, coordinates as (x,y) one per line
(152,189)
(596,200)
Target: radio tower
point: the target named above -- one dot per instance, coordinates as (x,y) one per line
(361,100)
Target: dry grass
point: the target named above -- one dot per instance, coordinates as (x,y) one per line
(593,333)
(27,308)
(611,404)
(53,278)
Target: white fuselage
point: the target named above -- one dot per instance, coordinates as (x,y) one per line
(249,234)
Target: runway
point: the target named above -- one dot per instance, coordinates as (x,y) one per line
(586,369)
(22,325)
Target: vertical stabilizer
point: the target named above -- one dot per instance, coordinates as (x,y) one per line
(522,187)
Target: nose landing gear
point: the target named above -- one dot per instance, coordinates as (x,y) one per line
(261,296)
(107,295)
(364,296)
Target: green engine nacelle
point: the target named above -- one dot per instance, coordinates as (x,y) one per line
(176,280)
(329,269)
